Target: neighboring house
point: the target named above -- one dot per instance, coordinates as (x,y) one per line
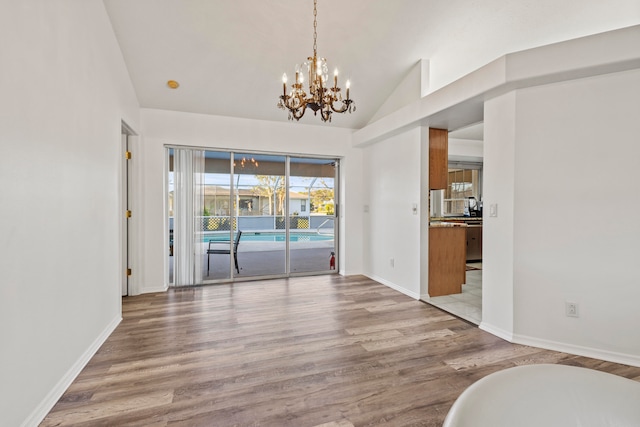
(249,202)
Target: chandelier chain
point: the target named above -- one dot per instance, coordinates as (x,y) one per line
(315,27)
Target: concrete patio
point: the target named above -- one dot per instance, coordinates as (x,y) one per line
(267,259)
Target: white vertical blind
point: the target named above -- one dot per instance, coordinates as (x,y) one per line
(188,246)
(198,211)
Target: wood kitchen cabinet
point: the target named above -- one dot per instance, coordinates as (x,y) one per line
(438,158)
(447,265)
(474,243)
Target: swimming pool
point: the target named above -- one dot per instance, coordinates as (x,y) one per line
(271,236)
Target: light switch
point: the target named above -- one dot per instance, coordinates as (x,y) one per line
(493,209)
(415,209)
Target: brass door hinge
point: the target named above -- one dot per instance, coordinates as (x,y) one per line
(128,272)
(127,155)
(127,214)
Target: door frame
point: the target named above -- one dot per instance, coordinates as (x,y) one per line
(126,205)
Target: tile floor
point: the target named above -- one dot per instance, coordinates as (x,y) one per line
(468,304)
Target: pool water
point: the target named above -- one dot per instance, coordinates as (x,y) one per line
(250,236)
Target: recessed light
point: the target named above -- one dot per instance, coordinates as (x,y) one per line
(173,84)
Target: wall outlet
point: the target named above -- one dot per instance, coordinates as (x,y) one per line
(392,262)
(571,309)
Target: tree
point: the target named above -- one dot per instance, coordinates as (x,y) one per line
(271,186)
(322,200)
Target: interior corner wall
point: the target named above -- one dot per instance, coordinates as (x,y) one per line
(497,231)
(161,128)
(575,238)
(425,214)
(408,91)
(65,90)
(392,177)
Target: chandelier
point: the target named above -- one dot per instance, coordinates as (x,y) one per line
(321,97)
(251,162)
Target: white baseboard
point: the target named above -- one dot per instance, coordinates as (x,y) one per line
(500,333)
(54,395)
(152,290)
(595,353)
(414,295)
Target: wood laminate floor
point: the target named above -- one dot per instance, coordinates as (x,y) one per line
(326,351)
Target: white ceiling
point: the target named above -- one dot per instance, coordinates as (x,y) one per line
(473,132)
(229,56)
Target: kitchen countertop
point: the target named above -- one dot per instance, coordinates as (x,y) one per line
(453,221)
(456,218)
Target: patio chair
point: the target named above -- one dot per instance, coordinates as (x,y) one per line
(212,251)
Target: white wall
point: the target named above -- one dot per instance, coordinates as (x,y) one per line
(488,29)
(497,232)
(215,132)
(64,91)
(409,90)
(393,179)
(574,237)
(465,150)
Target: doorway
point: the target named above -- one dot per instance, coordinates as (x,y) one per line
(126,134)
(461,201)
(254,215)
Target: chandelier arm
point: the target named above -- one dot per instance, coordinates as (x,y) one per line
(297,113)
(325,114)
(296,106)
(343,108)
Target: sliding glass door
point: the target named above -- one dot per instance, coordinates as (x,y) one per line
(248,215)
(312,214)
(218,223)
(259,190)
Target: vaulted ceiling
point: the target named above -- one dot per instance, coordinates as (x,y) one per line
(229,56)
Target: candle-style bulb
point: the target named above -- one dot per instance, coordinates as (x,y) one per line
(284,84)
